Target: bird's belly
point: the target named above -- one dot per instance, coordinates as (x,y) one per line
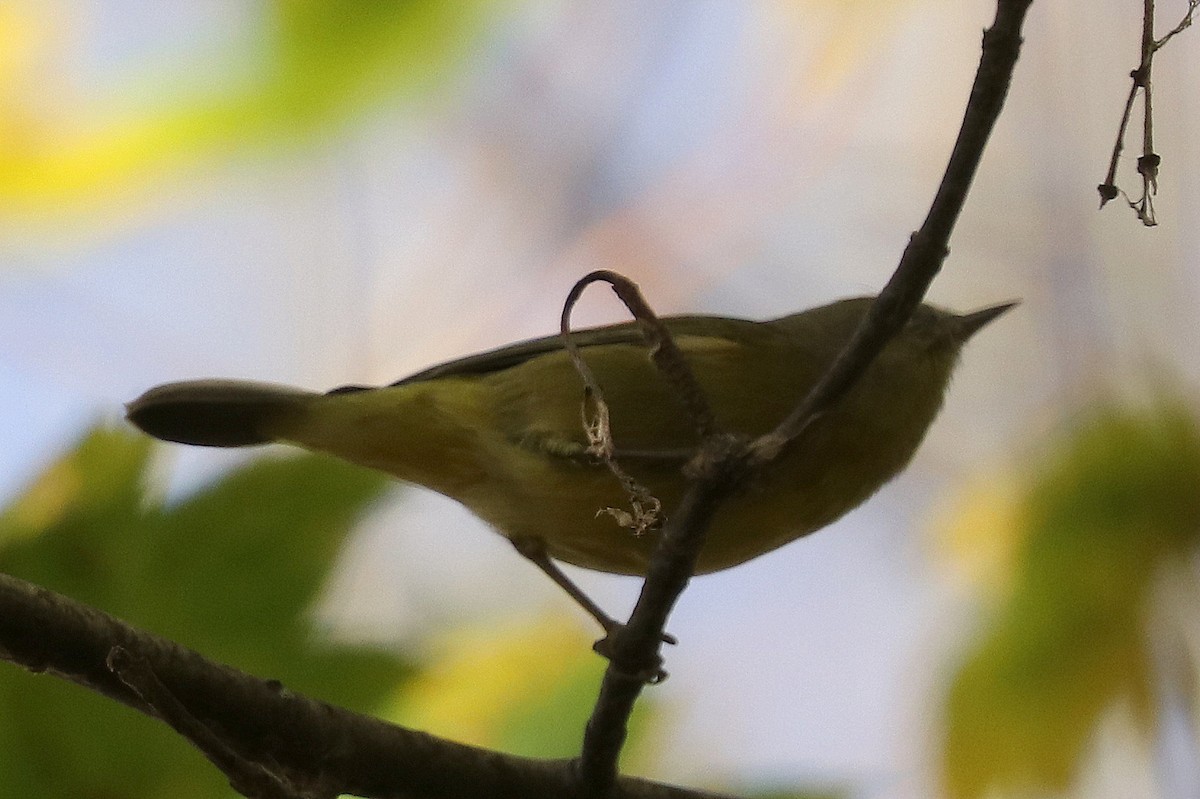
(568,509)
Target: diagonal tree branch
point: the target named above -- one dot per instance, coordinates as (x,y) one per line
(725,460)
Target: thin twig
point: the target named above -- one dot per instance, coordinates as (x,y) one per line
(1183,25)
(247,778)
(1108,189)
(646,508)
(1148,161)
(662,347)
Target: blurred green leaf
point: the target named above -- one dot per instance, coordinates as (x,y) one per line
(1119,500)
(550,722)
(332,55)
(230,571)
(311,65)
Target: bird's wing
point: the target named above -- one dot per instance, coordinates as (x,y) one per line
(515,354)
(537,394)
(539,400)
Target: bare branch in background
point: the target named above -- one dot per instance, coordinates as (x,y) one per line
(1149,161)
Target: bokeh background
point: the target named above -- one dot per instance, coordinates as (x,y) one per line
(327,192)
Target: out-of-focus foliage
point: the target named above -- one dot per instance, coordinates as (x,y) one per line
(525,689)
(230,571)
(1116,502)
(312,64)
(529,688)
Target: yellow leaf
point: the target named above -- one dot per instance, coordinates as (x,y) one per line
(46,499)
(482,678)
(1114,501)
(980,534)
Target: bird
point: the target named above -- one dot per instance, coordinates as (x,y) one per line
(501,432)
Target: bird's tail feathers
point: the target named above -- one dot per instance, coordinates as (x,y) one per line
(217,413)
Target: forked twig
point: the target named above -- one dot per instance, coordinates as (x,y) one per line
(1149,161)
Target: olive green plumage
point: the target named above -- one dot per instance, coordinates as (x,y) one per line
(501,431)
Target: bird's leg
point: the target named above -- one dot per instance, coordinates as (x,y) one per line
(534,550)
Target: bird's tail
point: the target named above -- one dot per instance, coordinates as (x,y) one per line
(217,413)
